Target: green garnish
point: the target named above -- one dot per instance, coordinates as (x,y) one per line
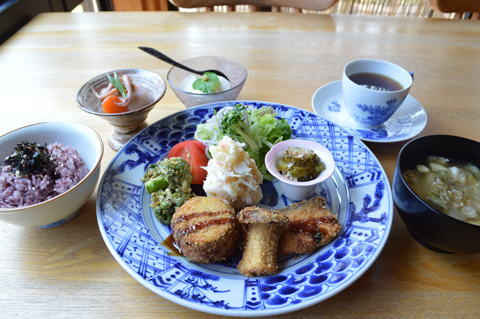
(31,158)
(208,83)
(117,84)
(318,236)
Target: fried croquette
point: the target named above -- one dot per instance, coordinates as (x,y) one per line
(205,229)
(261,230)
(311,225)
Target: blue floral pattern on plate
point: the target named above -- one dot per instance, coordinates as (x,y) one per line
(408,121)
(358,192)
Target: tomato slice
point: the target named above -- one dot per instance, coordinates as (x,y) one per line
(194,152)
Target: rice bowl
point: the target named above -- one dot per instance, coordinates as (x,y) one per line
(55,210)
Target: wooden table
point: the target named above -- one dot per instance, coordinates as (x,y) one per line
(69,272)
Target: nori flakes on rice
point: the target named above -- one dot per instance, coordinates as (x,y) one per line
(64,168)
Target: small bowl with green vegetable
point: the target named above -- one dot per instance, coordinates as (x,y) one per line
(195,90)
(299,165)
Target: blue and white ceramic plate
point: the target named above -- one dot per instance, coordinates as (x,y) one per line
(358,192)
(408,121)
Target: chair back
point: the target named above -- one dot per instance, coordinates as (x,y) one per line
(316,5)
(468,9)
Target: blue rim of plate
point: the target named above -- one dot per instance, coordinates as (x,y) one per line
(308,279)
(407,122)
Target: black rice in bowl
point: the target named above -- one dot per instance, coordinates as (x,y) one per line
(34,173)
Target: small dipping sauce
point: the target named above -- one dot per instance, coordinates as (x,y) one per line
(300,164)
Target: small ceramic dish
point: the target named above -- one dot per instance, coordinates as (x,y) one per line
(298,191)
(235,71)
(65,206)
(407,122)
(127,124)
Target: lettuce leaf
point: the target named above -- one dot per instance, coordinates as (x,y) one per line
(259,129)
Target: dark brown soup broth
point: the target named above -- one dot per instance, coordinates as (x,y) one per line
(375,81)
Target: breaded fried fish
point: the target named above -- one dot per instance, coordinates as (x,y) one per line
(311,225)
(261,230)
(204,228)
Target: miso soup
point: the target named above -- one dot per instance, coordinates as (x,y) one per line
(375,81)
(452,188)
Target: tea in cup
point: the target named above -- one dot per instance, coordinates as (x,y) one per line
(373,90)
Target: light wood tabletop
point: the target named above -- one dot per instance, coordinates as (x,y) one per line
(68,271)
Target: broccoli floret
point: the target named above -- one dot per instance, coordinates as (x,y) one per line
(165,202)
(174,173)
(169,183)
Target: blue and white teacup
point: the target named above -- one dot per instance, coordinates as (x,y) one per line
(366,102)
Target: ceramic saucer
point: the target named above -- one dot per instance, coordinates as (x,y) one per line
(407,122)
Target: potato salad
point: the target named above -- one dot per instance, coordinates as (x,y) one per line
(233,175)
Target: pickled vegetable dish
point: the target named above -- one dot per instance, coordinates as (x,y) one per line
(121,95)
(300,165)
(451,188)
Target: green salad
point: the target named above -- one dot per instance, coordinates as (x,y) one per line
(259,129)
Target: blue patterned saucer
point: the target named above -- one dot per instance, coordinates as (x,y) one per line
(408,121)
(358,192)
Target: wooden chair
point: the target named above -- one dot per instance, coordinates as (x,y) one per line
(140,5)
(412,8)
(469,9)
(316,5)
